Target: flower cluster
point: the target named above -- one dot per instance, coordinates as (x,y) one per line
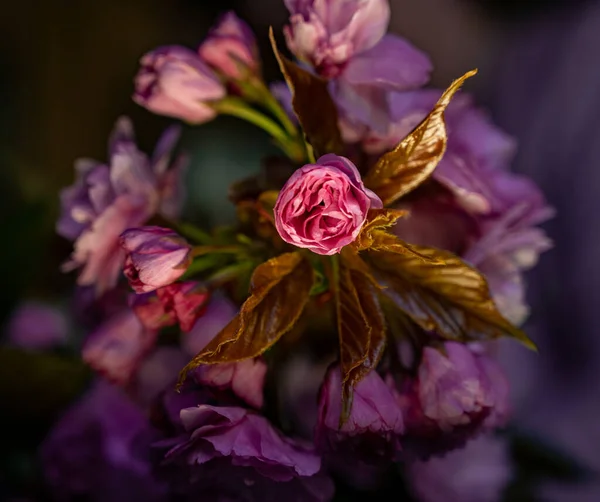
(384,256)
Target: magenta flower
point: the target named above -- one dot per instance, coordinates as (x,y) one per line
(228,452)
(368,442)
(181,303)
(228,44)
(118,346)
(479,472)
(323,206)
(175,82)
(95,451)
(455,395)
(246,379)
(327,33)
(108,198)
(156,257)
(37,326)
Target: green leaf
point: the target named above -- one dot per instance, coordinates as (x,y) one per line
(279,291)
(313,105)
(442,294)
(360,323)
(409,164)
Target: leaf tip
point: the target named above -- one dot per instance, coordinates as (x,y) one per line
(455,86)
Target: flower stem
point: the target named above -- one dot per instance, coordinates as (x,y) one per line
(238,108)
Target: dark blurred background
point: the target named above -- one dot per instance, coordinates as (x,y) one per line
(66,75)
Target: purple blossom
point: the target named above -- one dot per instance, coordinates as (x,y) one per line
(364,90)
(328,33)
(229,44)
(456,394)
(97,450)
(477,473)
(106,199)
(118,346)
(175,82)
(37,326)
(229,453)
(156,257)
(368,442)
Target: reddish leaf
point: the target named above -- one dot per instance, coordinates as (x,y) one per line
(360,323)
(279,291)
(409,164)
(313,105)
(443,294)
(374,234)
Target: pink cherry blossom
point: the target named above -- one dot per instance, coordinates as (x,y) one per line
(175,82)
(323,206)
(230,43)
(156,257)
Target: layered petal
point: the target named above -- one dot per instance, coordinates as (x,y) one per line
(323,206)
(175,82)
(156,257)
(230,46)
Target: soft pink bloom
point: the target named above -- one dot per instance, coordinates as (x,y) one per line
(183,303)
(479,472)
(175,82)
(365,446)
(327,33)
(118,346)
(228,44)
(156,257)
(106,199)
(323,206)
(37,326)
(246,379)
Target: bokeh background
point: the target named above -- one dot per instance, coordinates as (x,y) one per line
(66,75)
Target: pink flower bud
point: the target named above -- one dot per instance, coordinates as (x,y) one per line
(175,82)
(323,206)
(230,43)
(183,303)
(327,33)
(156,257)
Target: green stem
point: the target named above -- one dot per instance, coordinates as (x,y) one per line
(238,108)
(204,250)
(275,107)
